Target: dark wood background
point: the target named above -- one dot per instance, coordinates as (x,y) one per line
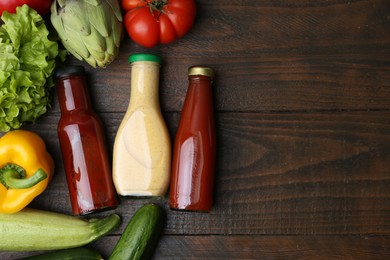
(302,100)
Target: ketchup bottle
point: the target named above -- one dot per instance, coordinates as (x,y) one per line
(83,146)
(195,146)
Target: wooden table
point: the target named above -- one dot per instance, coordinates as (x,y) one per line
(302,100)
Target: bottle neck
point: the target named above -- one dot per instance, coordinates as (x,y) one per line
(72,93)
(200,81)
(144,82)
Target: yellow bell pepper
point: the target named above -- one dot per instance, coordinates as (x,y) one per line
(25,169)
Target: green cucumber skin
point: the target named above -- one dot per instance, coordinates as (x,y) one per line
(141,234)
(81,253)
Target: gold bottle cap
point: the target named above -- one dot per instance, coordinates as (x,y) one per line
(200,70)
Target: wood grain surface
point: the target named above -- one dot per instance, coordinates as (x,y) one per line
(302,104)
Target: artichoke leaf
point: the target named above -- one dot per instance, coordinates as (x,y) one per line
(57,21)
(95,44)
(74,18)
(94,2)
(114,4)
(99,18)
(75,45)
(116,27)
(61,3)
(93,62)
(68,33)
(110,47)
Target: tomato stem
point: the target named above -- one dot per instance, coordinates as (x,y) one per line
(156,5)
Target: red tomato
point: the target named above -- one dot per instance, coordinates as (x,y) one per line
(150,22)
(41,6)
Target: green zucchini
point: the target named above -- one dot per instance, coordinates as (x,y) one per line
(31,229)
(80,253)
(141,234)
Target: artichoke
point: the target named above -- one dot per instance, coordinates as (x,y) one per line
(90,30)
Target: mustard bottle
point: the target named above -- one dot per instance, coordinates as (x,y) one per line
(142,147)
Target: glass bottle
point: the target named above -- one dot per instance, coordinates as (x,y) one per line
(195,146)
(142,148)
(83,145)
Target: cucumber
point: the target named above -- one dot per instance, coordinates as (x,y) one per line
(141,234)
(80,253)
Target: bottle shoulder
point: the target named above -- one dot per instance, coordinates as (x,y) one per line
(79,117)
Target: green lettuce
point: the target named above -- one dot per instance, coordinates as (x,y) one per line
(27,63)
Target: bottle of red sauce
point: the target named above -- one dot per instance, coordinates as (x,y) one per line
(194,152)
(83,146)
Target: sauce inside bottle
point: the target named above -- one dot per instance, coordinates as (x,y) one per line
(195,146)
(83,145)
(142,148)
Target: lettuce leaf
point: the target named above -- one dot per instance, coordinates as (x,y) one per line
(27,63)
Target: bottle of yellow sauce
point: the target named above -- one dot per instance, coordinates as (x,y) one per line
(142,148)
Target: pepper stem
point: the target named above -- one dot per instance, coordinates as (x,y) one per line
(13,176)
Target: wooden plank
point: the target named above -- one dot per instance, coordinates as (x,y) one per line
(277,173)
(253,247)
(268,247)
(271,56)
